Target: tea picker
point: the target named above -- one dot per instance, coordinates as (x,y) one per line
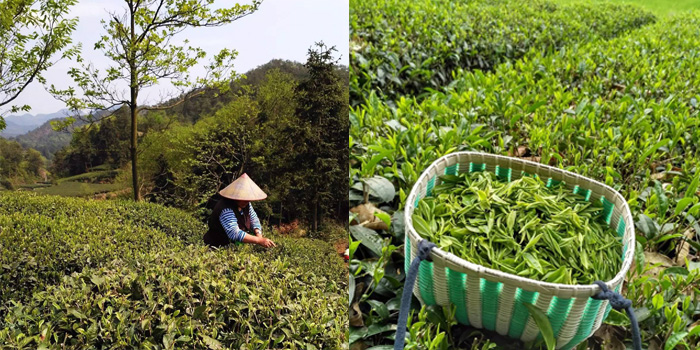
(490,299)
(233,216)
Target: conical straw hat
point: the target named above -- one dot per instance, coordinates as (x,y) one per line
(243,189)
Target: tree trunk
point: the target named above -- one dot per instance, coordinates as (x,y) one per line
(134,135)
(134,110)
(280,222)
(315,227)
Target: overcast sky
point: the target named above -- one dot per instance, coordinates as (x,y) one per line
(279,29)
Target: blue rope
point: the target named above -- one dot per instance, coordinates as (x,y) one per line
(424,248)
(618,302)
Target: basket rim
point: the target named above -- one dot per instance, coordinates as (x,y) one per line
(568,290)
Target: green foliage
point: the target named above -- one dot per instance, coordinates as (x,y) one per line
(323,106)
(45,139)
(397,50)
(666,305)
(97,176)
(18,165)
(78,189)
(288,135)
(139,44)
(622,111)
(44,238)
(32,34)
(79,273)
(307,254)
(197,298)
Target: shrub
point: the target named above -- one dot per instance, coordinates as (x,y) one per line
(7,184)
(189,299)
(44,238)
(404,47)
(310,255)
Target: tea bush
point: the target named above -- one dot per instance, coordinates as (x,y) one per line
(307,254)
(44,238)
(79,273)
(188,299)
(623,112)
(403,47)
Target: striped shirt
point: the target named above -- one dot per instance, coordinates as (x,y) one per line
(230,223)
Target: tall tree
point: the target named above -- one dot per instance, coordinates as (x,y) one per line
(32,34)
(138,41)
(323,103)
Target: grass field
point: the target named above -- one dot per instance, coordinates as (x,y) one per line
(659,7)
(93,176)
(77,189)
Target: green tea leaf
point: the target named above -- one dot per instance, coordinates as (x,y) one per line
(674,339)
(368,238)
(543,324)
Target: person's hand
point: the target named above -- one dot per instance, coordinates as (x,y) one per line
(258,232)
(267,243)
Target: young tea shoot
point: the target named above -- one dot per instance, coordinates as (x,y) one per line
(520,227)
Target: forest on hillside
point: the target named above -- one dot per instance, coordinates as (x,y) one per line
(283,123)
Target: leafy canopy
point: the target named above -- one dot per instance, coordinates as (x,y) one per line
(32,34)
(138,41)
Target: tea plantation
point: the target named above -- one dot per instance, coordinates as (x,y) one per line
(618,104)
(80,274)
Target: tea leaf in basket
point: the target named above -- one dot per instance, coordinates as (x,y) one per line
(520,227)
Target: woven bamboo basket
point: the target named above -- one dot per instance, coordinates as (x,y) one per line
(494,300)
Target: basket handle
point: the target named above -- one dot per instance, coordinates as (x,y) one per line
(424,248)
(618,302)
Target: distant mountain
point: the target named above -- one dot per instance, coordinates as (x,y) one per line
(13,129)
(21,124)
(47,140)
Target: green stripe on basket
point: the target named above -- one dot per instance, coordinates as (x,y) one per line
(425,282)
(407,251)
(452,169)
(429,189)
(551,182)
(621,227)
(503,174)
(582,192)
(473,167)
(558,312)
(586,325)
(457,285)
(520,314)
(489,303)
(608,207)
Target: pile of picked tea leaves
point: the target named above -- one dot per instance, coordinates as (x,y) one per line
(521,227)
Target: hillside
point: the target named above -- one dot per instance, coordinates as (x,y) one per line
(21,124)
(140,270)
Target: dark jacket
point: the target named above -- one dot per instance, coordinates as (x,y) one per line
(216,236)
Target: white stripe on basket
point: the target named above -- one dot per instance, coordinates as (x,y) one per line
(416,286)
(599,317)
(474,300)
(440,288)
(505,308)
(531,329)
(568,330)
